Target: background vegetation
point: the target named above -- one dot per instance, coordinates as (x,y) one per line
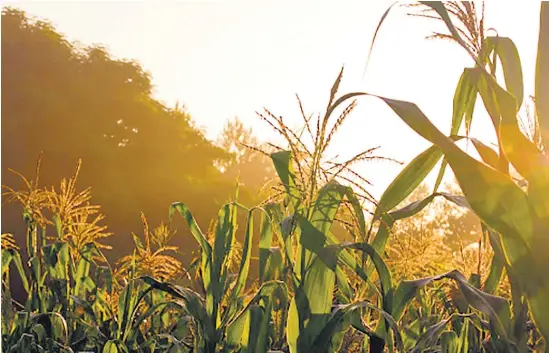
(76,102)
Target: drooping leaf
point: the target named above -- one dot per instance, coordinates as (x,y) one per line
(497,308)
(9,256)
(192,301)
(507,52)
(341,311)
(430,337)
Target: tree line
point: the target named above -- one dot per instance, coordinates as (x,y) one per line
(69,101)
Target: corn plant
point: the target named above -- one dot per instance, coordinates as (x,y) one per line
(226,319)
(68,281)
(150,261)
(514,216)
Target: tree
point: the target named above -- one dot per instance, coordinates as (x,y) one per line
(71,102)
(252,167)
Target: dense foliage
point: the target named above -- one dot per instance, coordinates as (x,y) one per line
(74,102)
(328,280)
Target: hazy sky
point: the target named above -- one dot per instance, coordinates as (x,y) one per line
(230,58)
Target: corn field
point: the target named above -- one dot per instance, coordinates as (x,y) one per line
(313,292)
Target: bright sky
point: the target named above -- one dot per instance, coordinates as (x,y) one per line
(231,58)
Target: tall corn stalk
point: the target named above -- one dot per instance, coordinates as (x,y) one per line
(515,218)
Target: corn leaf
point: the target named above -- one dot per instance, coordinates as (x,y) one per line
(408,180)
(505,49)
(283,165)
(341,312)
(206,251)
(110,347)
(542,74)
(497,308)
(464,101)
(449,342)
(488,155)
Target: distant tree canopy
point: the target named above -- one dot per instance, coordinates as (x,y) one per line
(249,163)
(76,102)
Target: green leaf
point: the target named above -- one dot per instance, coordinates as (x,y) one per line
(326,205)
(246,255)
(449,342)
(507,52)
(494,197)
(283,165)
(464,101)
(523,154)
(430,337)
(193,226)
(341,311)
(153,310)
(497,265)
(87,309)
(265,240)
(497,308)
(440,175)
(380,266)
(192,301)
(260,328)
(310,308)
(250,327)
(488,155)
(7,257)
(82,278)
(54,324)
(358,212)
(275,264)
(11,255)
(126,304)
(138,244)
(268,290)
(223,242)
(408,180)
(206,251)
(501,204)
(343,285)
(542,74)
(110,347)
(56,256)
(238,331)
